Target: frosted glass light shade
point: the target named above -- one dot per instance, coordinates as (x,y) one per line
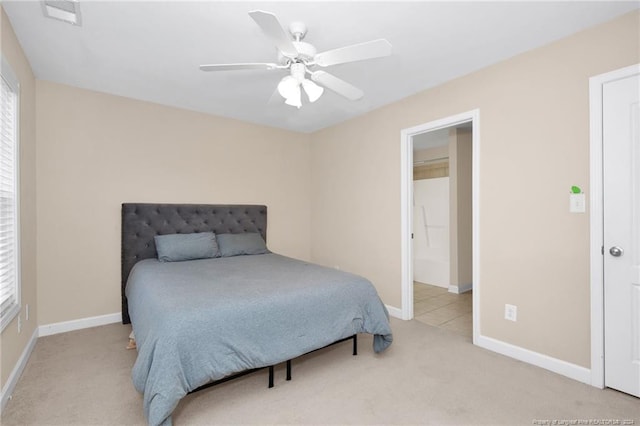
(312,90)
(287,87)
(295,98)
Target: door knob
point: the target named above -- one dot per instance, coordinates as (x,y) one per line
(616,251)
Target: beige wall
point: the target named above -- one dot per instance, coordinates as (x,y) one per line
(438,152)
(534,109)
(460,207)
(96,151)
(11,342)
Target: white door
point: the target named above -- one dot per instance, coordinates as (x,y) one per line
(621,187)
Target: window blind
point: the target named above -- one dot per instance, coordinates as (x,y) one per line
(9,282)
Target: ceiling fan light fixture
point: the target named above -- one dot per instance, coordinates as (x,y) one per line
(287,87)
(312,90)
(296,56)
(295,99)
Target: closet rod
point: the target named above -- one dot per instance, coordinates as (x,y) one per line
(433,160)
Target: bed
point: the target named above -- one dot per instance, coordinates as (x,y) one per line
(203,320)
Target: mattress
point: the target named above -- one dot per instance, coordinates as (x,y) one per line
(202,320)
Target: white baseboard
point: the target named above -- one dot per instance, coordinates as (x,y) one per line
(65,326)
(558,366)
(8,388)
(394,312)
(459,289)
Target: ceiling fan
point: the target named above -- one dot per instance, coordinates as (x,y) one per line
(301,60)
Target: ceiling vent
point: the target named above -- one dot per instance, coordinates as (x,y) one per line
(63,10)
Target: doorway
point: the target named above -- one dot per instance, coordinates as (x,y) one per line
(442,228)
(465,122)
(615,230)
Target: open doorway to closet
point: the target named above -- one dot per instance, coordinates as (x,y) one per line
(440,216)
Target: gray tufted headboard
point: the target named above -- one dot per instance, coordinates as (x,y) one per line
(141,222)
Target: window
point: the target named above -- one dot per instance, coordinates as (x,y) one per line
(9,235)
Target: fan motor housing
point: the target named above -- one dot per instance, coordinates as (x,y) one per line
(306,52)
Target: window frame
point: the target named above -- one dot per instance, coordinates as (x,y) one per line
(9,76)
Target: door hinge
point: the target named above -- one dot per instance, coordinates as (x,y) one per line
(602,250)
(412,235)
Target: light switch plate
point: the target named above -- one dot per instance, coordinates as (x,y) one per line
(577,203)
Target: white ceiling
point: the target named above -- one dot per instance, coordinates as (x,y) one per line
(151,50)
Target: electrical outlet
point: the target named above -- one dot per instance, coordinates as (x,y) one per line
(19,323)
(510,312)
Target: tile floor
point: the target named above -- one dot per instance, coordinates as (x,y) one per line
(437,307)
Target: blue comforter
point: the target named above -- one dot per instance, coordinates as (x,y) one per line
(201,320)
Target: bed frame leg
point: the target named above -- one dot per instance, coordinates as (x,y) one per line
(355,352)
(270,376)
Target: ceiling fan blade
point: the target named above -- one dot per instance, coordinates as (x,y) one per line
(272,29)
(339,86)
(233,67)
(355,52)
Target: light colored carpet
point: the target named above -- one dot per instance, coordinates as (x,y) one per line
(428,376)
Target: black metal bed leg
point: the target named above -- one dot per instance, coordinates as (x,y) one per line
(270,376)
(289,370)
(355,344)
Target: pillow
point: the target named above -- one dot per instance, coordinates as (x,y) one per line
(177,247)
(238,244)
